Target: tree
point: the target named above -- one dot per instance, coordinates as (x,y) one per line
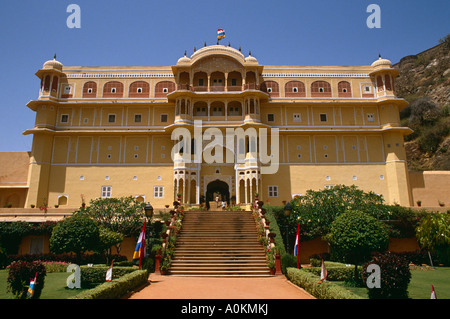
(108,238)
(433,234)
(75,234)
(123,215)
(424,112)
(354,236)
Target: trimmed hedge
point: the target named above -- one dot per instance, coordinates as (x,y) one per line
(116,288)
(325,290)
(335,273)
(97,273)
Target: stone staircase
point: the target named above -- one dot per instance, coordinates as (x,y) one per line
(219,244)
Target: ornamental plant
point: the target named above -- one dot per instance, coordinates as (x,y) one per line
(19,275)
(122,215)
(76,234)
(354,236)
(395,276)
(433,234)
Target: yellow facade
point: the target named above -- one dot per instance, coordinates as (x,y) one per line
(107,131)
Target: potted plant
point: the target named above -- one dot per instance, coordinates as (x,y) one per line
(56,205)
(419,203)
(442,204)
(32,206)
(83,202)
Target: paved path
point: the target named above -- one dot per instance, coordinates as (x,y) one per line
(174,287)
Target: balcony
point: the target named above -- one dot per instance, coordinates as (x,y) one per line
(218,88)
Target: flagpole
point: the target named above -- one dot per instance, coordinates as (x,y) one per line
(141,254)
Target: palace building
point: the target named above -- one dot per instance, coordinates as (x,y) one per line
(108,131)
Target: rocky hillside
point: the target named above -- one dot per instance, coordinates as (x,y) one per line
(424,81)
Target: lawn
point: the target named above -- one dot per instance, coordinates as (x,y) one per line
(420,284)
(54,287)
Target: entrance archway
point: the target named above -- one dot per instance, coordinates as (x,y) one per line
(219,188)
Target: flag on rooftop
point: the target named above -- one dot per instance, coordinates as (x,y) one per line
(220,34)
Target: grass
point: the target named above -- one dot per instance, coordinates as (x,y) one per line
(420,284)
(54,287)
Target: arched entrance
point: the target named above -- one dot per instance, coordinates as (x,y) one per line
(217,188)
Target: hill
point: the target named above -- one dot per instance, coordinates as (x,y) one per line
(424,81)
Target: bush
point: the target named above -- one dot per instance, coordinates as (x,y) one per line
(395,276)
(84,259)
(354,236)
(434,234)
(334,272)
(97,274)
(288,261)
(324,290)
(76,234)
(19,276)
(116,288)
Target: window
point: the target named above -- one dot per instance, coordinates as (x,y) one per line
(36,245)
(200,82)
(112,118)
(139,90)
(137,118)
(164,118)
(323,117)
(158,191)
(90,90)
(328,186)
(67,90)
(370,117)
(65,118)
(295,89)
(321,90)
(273,191)
(270,117)
(269,90)
(297,117)
(367,89)
(233,82)
(106,191)
(113,90)
(165,90)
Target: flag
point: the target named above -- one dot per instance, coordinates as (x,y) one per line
(109,274)
(220,34)
(140,246)
(31,288)
(297,244)
(433,293)
(323,273)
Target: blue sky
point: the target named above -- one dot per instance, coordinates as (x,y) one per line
(141,33)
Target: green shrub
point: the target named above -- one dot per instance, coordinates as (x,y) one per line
(329,264)
(75,234)
(354,236)
(335,273)
(19,275)
(288,261)
(97,273)
(324,290)
(116,288)
(395,276)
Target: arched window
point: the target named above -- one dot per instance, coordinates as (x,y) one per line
(90,89)
(163,88)
(387,82)
(380,83)
(139,89)
(270,87)
(113,89)
(320,89)
(47,83)
(344,89)
(294,89)
(55,84)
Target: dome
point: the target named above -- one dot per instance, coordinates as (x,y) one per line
(381,61)
(251,58)
(184,59)
(53,64)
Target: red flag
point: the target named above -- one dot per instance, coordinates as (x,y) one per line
(297,245)
(433,293)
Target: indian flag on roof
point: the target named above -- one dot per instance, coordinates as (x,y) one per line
(220,34)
